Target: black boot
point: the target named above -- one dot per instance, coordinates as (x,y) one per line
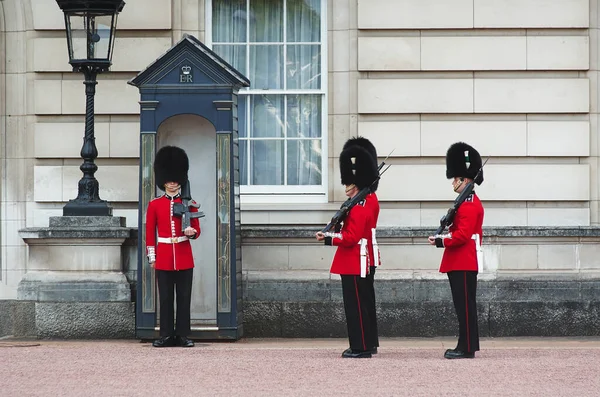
(458,354)
(349,353)
(183,341)
(164,341)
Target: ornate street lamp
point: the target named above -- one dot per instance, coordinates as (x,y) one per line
(90,26)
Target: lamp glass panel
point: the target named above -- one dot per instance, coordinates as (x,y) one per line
(90,36)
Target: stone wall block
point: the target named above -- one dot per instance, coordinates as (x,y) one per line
(415,14)
(136,15)
(87,320)
(6,319)
(557,256)
(265,257)
(374,53)
(574,177)
(263,319)
(415,96)
(24,319)
(558,138)
(47,97)
(70,136)
(518,257)
(544,318)
(589,256)
(407,319)
(473,53)
(554,95)
(558,216)
(405,137)
(310,257)
(313,319)
(531,14)
(493,138)
(418,256)
(558,53)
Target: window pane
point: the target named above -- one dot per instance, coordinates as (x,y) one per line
(235,55)
(303,67)
(243,161)
(229,21)
(304,116)
(266,67)
(304,162)
(266,21)
(266,116)
(267,162)
(304,21)
(242,116)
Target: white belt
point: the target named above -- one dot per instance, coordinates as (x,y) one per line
(479,252)
(363,257)
(375,249)
(172,240)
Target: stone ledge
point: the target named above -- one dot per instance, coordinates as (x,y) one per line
(72,233)
(79,227)
(420,232)
(49,286)
(308,232)
(87,221)
(405,291)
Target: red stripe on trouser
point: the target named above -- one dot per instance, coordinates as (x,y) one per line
(467,312)
(362,332)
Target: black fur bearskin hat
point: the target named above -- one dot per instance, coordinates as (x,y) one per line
(368,146)
(357,167)
(171,165)
(463,161)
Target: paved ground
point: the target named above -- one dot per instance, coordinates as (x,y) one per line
(300,367)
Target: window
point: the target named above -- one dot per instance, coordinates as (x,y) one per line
(279,46)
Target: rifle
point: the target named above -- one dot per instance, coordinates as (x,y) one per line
(447,219)
(183,210)
(341,214)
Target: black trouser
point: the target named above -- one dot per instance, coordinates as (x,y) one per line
(372,306)
(179,281)
(464,289)
(357,301)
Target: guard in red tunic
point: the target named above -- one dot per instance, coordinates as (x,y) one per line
(372,203)
(168,247)
(462,258)
(351,260)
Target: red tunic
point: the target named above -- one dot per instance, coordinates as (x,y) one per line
(463,241)
(352,254)
(374,253)
(159,216)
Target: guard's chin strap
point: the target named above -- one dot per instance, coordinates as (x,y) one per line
(462,180)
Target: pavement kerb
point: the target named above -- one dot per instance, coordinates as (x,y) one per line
(339,343)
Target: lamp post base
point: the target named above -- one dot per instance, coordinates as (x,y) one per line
(87,208)
(75,287)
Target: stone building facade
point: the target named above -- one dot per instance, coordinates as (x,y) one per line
(516,79)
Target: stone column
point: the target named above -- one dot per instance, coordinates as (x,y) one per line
(74,286)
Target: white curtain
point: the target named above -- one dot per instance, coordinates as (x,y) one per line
(283,136)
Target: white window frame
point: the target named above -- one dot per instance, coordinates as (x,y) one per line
(258,194)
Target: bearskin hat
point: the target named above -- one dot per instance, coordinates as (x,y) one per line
(357,167)
(463,161)
(368,146)
(171,164)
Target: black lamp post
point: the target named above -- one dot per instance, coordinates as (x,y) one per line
(90,26)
